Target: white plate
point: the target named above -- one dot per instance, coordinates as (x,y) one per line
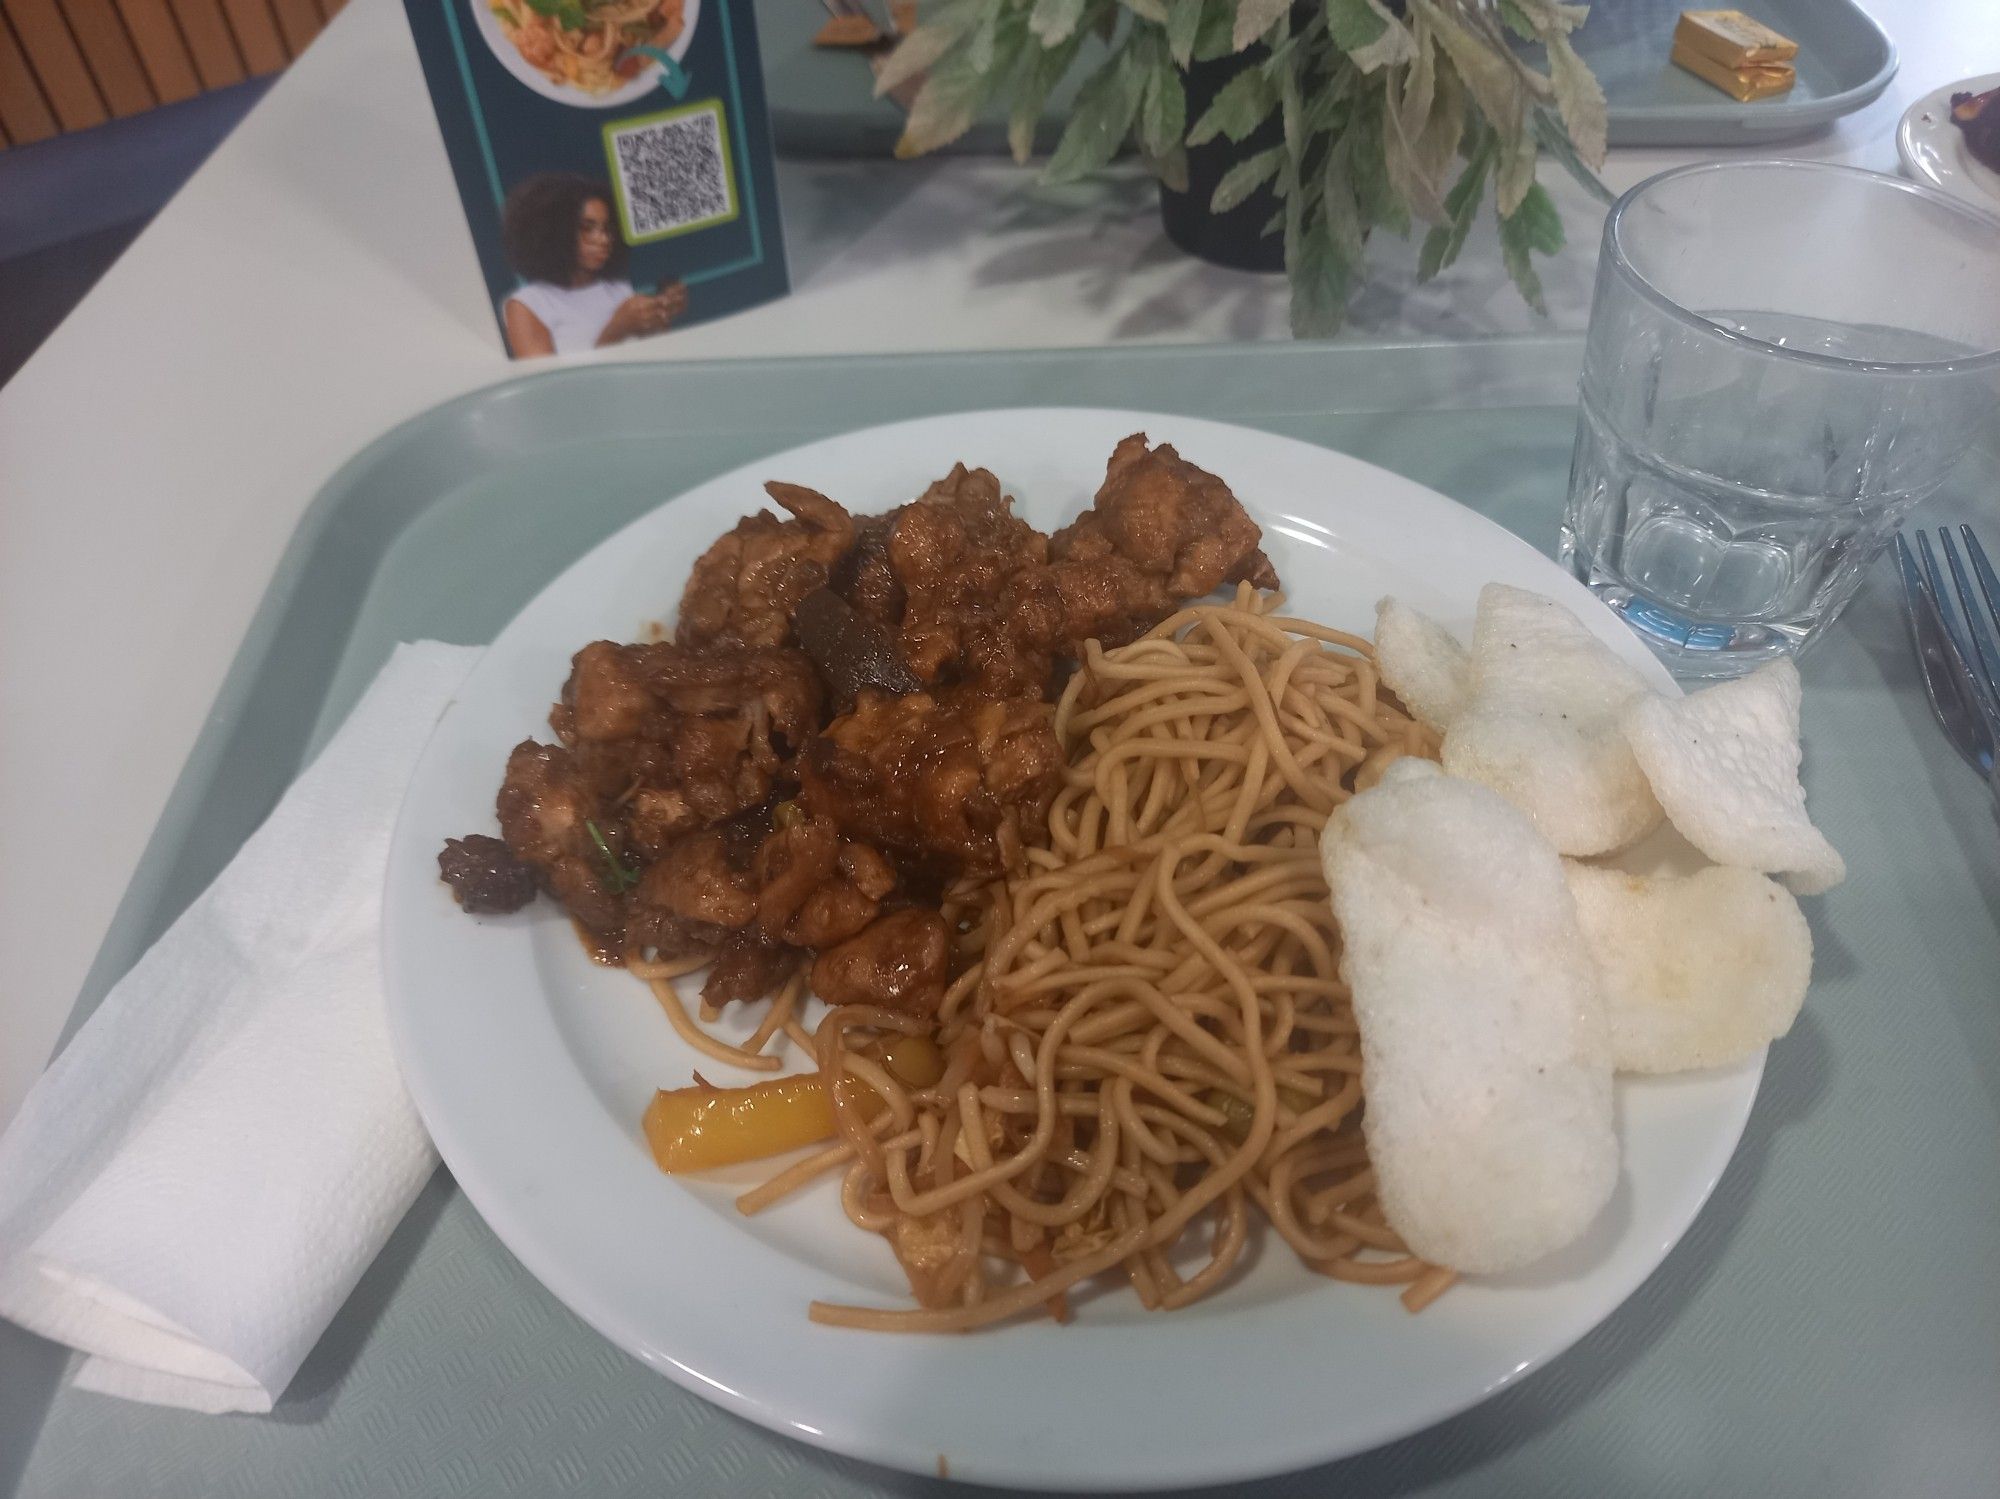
(1933,149)
(532,1067)
(637,87)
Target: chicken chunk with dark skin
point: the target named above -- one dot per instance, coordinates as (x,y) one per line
(685,738)
(743,589)
(548,811)
(900,962)
(981,612)
(1161,531)
(961,786)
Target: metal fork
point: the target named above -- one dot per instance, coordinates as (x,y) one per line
(1958,648)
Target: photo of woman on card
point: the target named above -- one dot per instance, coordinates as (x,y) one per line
(562,240)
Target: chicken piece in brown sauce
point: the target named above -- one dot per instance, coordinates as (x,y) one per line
(754,891)
(681,739)
(962,785)
(981,610)
(694,805)
(549,810)
(1160,532)
(900,962)
(743,589)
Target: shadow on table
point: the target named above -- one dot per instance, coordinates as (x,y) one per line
(833,206)
(34,1372)
(318,1381)
(1795,1079)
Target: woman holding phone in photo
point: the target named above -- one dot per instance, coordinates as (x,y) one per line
(559,236)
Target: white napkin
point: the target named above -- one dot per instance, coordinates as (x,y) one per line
(193,1187)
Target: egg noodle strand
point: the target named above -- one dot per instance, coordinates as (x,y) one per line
(1150,1037)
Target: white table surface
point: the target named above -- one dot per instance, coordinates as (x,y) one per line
(314,284)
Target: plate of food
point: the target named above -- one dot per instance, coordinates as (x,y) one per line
(949,943)
(590,53)
(1950,138)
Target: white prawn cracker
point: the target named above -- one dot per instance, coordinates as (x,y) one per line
(1485,1062)
(1724,763)
(1543,724)
(1698,971)
(1422,662)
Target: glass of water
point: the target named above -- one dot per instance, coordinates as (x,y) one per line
(1783,358)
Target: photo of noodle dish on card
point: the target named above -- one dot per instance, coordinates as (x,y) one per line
(594,54)
(979,926)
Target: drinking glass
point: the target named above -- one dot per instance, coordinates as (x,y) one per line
(1783,358)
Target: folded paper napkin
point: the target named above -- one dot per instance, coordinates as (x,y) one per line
(191,1190)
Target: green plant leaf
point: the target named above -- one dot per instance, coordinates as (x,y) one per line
(1579,99)
(1215,35)
(1379,200)
(1515,160)
(1243,179)
(1183,20)
(1413,174)
(1291,111)
(1540,225)
(1253,19)
(1105,107)
(1354,24)
(1039,69)
(1052,20)
(1546,15)
(1342,207)
(1393,45)
(1420,87)
(1516,20)
(1493,79)
(944,106)
(979,50)
(1163,115)
(1241,105)
(1320,286)
(1556,142)
(1442,245)
(917,52)
(1171,169)
(1154,11)
(1514,254)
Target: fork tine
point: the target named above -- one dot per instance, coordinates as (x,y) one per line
(1984,656)
(1989,583)
(1940,595)
(1947,679)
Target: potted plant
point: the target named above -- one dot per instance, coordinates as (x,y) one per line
(1322,121)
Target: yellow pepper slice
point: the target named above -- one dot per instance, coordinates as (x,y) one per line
(697,1129)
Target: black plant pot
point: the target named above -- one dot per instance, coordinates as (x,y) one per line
(1235,239)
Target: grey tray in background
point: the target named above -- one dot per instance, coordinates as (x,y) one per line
(822,104)
(1845,61)
(1829,1327)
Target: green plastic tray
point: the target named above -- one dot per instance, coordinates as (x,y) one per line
(1830,1326)
(822,104)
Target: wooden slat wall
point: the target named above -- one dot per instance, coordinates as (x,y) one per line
(70,64)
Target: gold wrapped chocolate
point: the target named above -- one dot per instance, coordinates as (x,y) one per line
(1731,38)
(1759,80)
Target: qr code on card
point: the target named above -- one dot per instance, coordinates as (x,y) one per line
(672,171)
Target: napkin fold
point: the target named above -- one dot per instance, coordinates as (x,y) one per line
(191,1190)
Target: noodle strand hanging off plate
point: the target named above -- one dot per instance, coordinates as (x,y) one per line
(1150,1031)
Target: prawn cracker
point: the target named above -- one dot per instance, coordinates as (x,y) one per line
(1485,1061)
(1542,724)
(1698,971)
(1724,763)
